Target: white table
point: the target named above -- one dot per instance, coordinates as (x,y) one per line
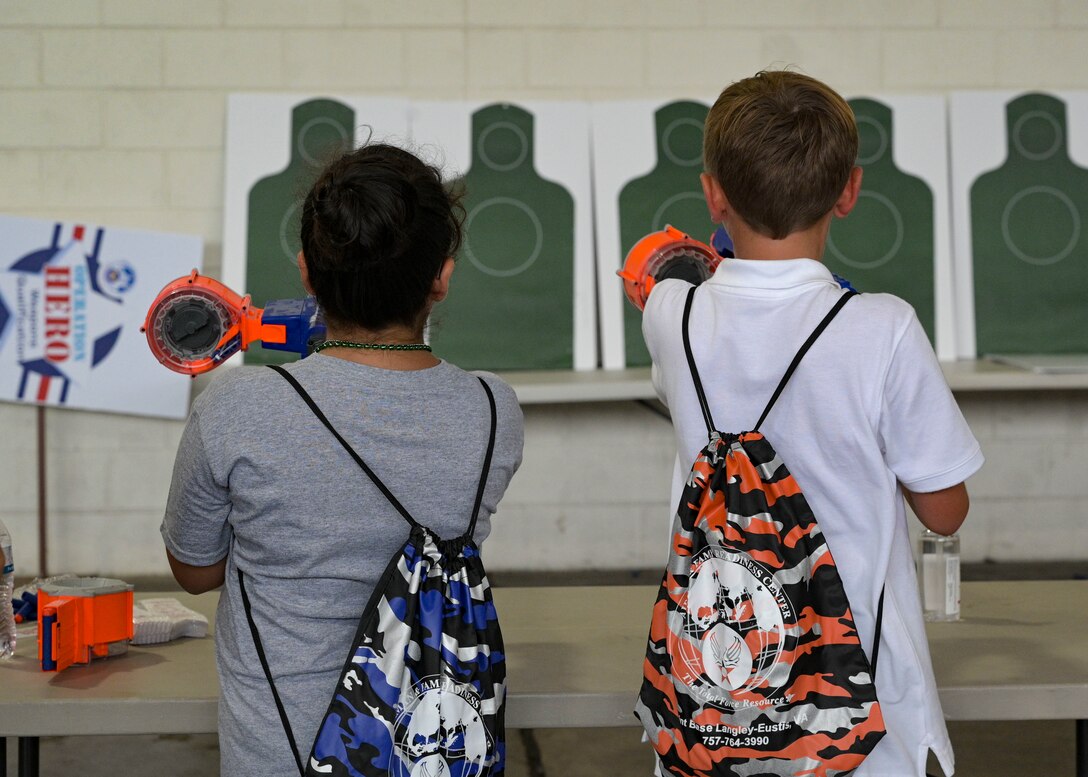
(575,660)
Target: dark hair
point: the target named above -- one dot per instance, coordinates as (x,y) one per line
(782,146)
(377,226)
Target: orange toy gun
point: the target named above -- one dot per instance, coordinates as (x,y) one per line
(666,254)
(196,323)
(82,618)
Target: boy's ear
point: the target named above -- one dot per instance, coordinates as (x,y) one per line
(716,202)
(305,273)
(441,286)
(849,197)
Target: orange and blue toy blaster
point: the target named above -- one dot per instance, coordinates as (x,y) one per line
(670,253)
(196,323)
(82,618)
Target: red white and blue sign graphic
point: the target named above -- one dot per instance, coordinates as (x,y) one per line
(72,299)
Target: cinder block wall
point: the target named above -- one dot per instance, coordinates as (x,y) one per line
(113,112)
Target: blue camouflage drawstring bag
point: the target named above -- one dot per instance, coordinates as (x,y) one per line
(423,688)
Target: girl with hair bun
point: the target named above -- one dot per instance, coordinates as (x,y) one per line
(261,488)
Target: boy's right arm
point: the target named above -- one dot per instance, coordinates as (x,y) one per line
(926,441)
(941,511)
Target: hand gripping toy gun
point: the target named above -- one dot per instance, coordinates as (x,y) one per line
(670,253)
(196,323)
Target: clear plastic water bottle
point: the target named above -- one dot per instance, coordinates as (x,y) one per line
(939,576)
(7,585)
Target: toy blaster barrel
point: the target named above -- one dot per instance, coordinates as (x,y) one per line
(669,253)
(82,618)
(196,323)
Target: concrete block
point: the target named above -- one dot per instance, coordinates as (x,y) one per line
(23,525)
(569,14)
(21,172)
(49,13)
(195,179)
(345,61)
(122,58)
(586,58)
(1072,13)
(1004,14)
(435,60)
(19,476)
(165,119)
(192,13)
(577,463)
(1065,473)
(1036,416)
(124,179)
(690,62)
(78,481)
(224,59)
(1013,470)
(73,431)
(553,537)
(847,60)
(50,119)
(497,59)
(19,422)
(978,411)
(1028,529)
(127,544)
(843,15)
(940,59)
(138,480)
(405,13)
(20,55)
(286,14)
(1041,59)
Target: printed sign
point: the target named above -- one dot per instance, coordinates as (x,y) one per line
(72,300)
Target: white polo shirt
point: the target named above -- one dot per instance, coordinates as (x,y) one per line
(868,408)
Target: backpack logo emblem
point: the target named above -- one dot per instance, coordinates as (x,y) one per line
(440,732)
(734,625)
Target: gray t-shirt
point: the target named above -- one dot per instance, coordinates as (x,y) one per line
(260,480)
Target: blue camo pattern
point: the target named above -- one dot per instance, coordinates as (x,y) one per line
(423,689)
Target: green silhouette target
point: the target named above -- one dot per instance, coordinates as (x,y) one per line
(320,129)
(1028,243)
(887,242)
(511,300)
(670,194)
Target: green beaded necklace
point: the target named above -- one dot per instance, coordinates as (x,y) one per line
(371,346)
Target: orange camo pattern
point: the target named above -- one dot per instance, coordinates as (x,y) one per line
(806,693)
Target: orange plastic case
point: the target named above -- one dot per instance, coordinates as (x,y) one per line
(668,253)
(238,321)
(82,618)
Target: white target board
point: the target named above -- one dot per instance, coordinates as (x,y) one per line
(1020,203)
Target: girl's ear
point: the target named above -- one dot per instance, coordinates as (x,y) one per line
(441,286)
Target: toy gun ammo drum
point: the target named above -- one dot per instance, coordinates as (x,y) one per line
(82,618)
(196,323)
(670,253)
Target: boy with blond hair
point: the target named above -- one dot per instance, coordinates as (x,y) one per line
(867,418)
